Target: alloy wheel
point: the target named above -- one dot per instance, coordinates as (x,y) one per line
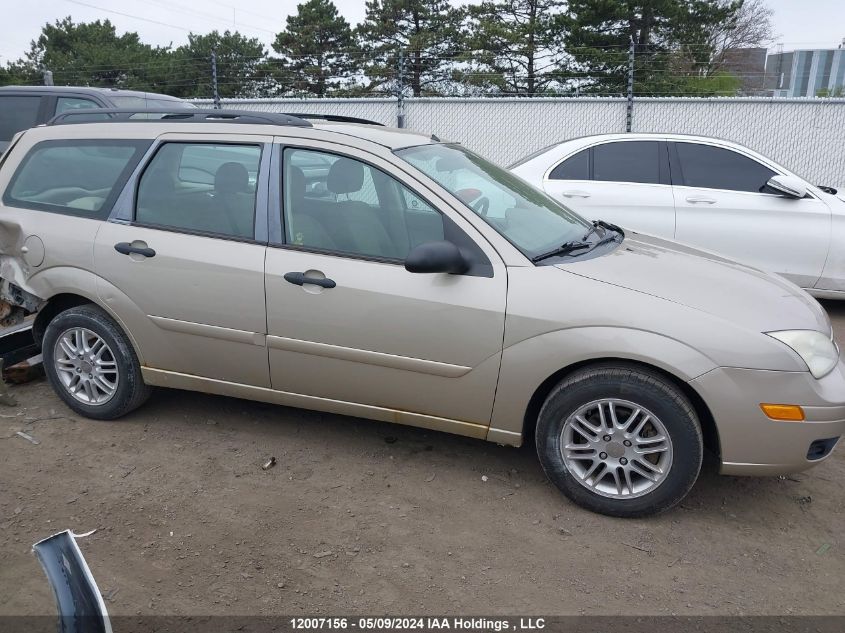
(86,366)
(616,448)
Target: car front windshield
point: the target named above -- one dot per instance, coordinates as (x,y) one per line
(526,216)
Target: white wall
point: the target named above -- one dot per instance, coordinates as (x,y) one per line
(805,135)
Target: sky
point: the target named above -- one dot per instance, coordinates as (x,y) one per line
(799,23)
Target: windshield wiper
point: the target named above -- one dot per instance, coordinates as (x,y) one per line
(563,249)
(569,247)
(595,224)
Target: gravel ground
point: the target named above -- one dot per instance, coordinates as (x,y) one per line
(364,517)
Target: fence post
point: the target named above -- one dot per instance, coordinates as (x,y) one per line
(400,92)
(215,92)
(629,115)
(48,77)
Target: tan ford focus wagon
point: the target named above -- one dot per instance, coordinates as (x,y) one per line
(352,268)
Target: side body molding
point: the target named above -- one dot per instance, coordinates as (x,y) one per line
(368,357)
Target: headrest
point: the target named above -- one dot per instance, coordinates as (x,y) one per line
(231,178)
(296,182)
(345,176)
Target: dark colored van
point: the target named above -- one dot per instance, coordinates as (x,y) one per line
(23,107)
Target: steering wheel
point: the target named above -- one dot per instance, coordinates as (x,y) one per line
(482,206)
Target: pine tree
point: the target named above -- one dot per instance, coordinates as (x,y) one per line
(514,46)
(239,58)
(425,31)
(670,40)
(316,48)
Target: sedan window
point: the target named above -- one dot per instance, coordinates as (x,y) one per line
(712,167)
(575,168)
(627,161)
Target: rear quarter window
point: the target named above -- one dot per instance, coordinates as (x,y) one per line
(74,177)
(17,113)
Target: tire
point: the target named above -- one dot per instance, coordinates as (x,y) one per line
(621,484)
(113,364)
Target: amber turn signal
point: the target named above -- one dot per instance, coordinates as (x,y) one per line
(785,412)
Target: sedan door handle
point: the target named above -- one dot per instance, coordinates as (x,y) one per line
(701,200)
(575,194)
(299,278)
(125,248)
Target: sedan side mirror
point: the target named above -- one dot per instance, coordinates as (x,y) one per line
(789,186)
(436,257)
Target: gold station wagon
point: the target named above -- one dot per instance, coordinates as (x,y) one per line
(352,268)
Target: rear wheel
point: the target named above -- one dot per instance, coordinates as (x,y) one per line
(620,440)
(91,365)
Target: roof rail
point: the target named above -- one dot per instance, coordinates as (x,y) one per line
(338,118)
(181,115)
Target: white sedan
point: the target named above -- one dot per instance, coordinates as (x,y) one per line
(706,192)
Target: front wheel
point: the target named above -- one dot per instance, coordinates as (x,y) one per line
(91,364)
(620,440)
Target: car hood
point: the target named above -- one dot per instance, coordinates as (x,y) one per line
(704,281)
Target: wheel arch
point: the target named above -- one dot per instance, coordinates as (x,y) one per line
(705,416)
(61,301)
(54,306)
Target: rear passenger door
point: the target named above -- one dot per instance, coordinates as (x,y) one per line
(347,323)
(625,182)
(182,261)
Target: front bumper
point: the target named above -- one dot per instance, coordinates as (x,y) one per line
(753,444)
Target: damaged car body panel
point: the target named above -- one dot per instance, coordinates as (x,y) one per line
(46,253)
(16,301)
(80,606)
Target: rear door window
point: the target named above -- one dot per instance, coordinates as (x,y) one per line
(201,187)
(573,168)
(627,161)
(712,167)
(76,177)
(17,113)
(63,104)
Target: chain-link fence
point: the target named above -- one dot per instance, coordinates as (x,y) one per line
(805,135)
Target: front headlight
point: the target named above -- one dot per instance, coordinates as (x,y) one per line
(814,348)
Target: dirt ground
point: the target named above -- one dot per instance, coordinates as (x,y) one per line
(359,517)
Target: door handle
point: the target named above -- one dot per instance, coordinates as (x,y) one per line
(701,200)
(299,278)
(575,194)
(125,248)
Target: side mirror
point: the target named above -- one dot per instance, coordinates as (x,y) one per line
(788,186)
(436,257)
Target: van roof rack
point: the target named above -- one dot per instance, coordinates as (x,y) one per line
(182,115)
(335,118)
